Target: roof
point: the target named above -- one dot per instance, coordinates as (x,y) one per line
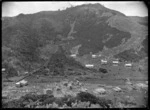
(128,64)
(3,69)
(89,65)
(23,81)
(94,56)
(115,61)
(73,55)
(117,89)
(103,60)
(18,83)
(100,90)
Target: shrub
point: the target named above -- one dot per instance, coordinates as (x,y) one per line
(68,100)
(105,103)
(13,104)
(85,97)
(82,100)
(33,97)
(48,100)
(103,70)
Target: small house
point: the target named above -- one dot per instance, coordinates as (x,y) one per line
(21,83)
(115,62)
(117,89)
(89,65)
(73,55)
(128,65)
(94,56)
(3,69)
(100,91)
(18,84)
(103,61)
(26,72)
(24,82)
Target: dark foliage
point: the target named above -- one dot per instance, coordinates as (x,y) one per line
(103,70)
(145,44)
(24,100)
(48,100)
(84,96)
(68,100)
(130,55)
(58,63)
(85,31)
(33,97)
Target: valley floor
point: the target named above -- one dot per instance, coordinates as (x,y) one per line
(137,96)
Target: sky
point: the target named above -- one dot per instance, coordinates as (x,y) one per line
(134,8)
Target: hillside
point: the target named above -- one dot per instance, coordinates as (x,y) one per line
(32,39)
(140,20)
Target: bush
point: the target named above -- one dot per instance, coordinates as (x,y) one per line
(105,103)
(103,70)
(85,97)
(33,97)
(48,100)
(13,104)
(82,100)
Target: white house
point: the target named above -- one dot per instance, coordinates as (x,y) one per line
(94,56)
(89,65)
(117,89)
(103,61)
(73,55)
(3,69)
(18,84)
(100,91)
(115,62)
(26,72)
(21,83)
(128,65)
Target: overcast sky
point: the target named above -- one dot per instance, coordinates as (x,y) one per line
(15,8)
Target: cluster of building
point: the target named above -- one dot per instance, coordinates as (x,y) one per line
(114,62)
(104,61)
